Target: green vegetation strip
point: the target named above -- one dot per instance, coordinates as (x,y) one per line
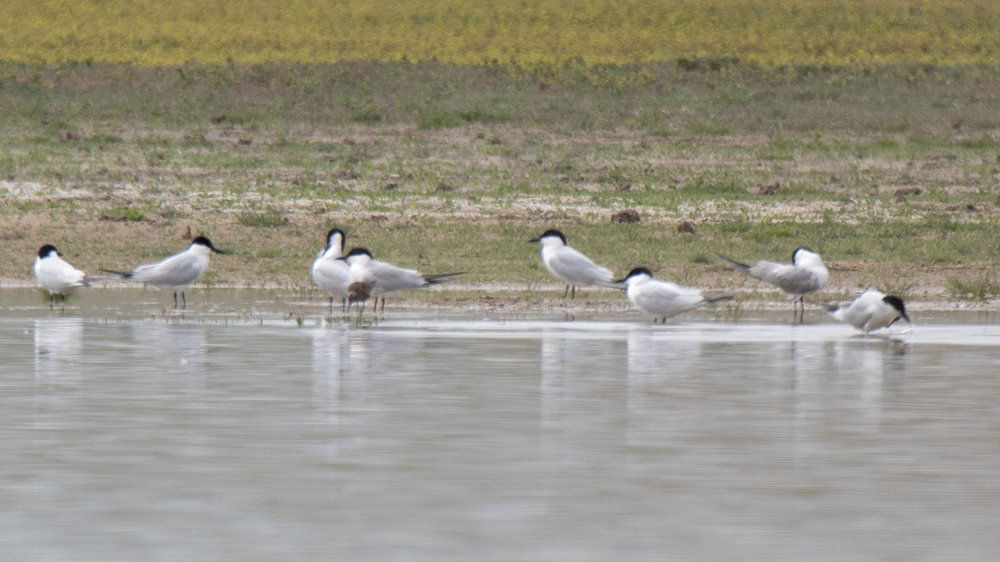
(890,174)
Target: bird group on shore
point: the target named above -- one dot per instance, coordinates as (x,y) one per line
(356,276)
(173,273)
(805,275)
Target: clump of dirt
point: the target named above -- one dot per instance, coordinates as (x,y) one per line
(904,192)
(626,216)
(767,189)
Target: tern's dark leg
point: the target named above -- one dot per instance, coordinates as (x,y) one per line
(383,305)
(566,292)
(331,305)
(184,300)
(572,294)
(343,305)
(175,300)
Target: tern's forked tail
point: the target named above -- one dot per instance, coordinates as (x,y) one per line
(440,277)
(716,297)
(120,274)
(735,264)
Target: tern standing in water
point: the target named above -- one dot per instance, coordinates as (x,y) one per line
(57,276)
(569,265)
(176,272)
(330,272)
(806,274)
(664,299)
(378,278)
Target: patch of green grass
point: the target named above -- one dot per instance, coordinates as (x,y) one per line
(769,231)
(8,164)
(709,129)
(130,214)
(367,116)
(567,153)
(984,143)
(430,119)
(243,117)
(882,144)
(780,148)
(269,218)
(980,289)
(133,215)
(196,140)
(103,138)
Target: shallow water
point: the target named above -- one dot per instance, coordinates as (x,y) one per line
(430,437)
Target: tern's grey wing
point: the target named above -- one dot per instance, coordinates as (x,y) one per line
(865,313)
(176,271)
(849,312)
(867,317)
(667,299)
(391,279)
(789,278)
(766,270)
(573,267)
(880,317)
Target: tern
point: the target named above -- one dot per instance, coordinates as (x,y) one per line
(331,273)
(55,275)
(664,299)
(806,274)
(379,278)
(176,272)
(871,311)
(569,265)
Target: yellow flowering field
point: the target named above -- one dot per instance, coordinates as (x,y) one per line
(527,33)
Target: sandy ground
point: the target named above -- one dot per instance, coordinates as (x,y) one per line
(83,215)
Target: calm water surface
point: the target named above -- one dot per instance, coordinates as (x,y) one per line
(483,438)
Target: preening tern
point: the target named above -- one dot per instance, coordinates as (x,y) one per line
(55,275)
(331,273)
(871,311)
